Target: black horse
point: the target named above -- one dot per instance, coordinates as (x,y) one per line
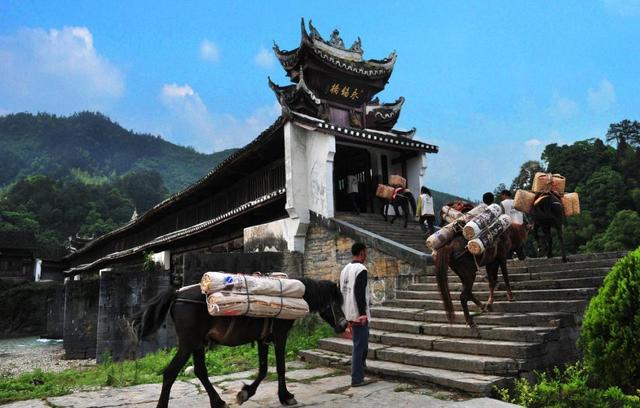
(547,212)
(195,328)
(402,200)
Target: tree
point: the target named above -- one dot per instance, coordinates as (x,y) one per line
(524,179)
(624,132)
(603,194)
(610,334)
(623,233)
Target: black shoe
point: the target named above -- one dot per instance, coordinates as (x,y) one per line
(365,381)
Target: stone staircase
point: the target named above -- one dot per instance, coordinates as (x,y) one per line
(410,337)
(411,236)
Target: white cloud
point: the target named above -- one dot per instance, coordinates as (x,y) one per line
(56,70)
(264,58)
(533,143)
(625,8)
(602,98)
(562,108)
(191,123)
(209,51)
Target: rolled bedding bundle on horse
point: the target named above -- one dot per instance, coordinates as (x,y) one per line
(571,204)
(442,236)
(488,236)
(523,201)
(450,214)
(481,221)
(218,281)
(227,303)
(385,192)
(397,181)
(545,182)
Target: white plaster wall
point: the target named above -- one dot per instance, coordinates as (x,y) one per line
(309,179)
(416,169)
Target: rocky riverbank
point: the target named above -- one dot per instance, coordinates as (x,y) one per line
(26,354)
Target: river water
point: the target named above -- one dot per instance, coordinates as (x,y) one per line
(26,354)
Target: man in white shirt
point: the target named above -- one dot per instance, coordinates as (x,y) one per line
(507,205)
(355,291)
(352,191)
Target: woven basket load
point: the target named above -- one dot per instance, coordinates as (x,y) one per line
(545,182)
(397,181)
(242,304)
(571,204)
(523,200)
(441,237)
(450,214)
(385,192)
(481,221)
(488,236)
(218,281)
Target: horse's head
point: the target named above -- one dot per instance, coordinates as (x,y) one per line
(325,298)
(332,313)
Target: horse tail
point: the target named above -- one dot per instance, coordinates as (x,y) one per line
(412,201)
(442,265)
(150,318)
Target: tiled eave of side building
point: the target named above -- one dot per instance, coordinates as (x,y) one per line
(241,157)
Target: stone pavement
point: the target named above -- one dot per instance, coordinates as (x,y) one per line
(313,387)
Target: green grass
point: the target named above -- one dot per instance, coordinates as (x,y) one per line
(220,360)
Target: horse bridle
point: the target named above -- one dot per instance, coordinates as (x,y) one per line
(333,313)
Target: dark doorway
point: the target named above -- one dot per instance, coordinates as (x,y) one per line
(354,161)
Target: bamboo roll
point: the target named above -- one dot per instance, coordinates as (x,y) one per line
(481,221)
(571,204)
(488,236)
(218,281)
(450,214)
(226,303)
(441,237)
(558,183)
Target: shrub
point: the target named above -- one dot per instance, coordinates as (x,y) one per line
(567,389)
(610,335)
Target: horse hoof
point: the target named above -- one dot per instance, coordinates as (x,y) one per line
(242,397)
(221,404)
(291,401)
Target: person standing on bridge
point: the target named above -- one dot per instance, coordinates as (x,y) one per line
(355,291)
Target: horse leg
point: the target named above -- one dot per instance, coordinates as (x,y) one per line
(200,370)
(249,390)
(385,211)
(396,210)
(171,373)
(505,276)
(536,235)
(564,257)
(405,209)
(547,232)
(492,277)
(280,344)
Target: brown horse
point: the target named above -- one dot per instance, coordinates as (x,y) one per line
(454,255)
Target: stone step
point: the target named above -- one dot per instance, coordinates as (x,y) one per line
(496,348)
(520,276)
(472,383)
(518,306)
(530,334)
(482,284)
(429,358)
(551,319)
(542,294)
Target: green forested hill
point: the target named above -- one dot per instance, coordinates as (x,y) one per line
(90,143)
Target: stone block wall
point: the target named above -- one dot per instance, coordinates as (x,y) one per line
(124,289)
(55,313)
(327,251)
(193,264)
(81,318)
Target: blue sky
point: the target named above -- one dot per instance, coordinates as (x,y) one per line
(490,82)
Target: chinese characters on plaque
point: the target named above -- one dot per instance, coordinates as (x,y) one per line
(346,92)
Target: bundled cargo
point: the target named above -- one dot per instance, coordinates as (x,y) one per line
(442,236)
(450,214)
(571,204)
(481,221)
(397,181)
(228,304)
(385,192)
(219,281)
(523,200)
(545,182)
(487,237)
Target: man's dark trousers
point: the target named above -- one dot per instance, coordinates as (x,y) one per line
(360,336)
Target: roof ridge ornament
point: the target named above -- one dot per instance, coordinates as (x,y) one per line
(335,40)
(357,46)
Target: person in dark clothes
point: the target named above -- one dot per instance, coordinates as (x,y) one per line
(354,286)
